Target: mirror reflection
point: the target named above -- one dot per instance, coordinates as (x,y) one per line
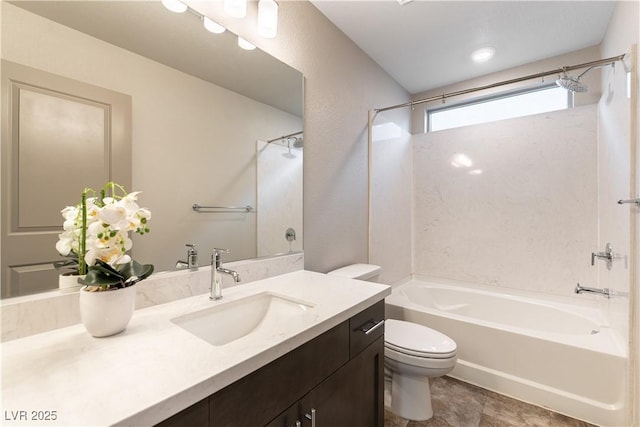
(209,126)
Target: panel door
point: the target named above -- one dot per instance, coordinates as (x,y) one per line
(58,136)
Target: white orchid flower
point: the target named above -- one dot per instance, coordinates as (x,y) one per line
(113,215)
(108,222)
(70,212)
(124,259)
(144,213)
(63,245)
(129,201)
(90,257)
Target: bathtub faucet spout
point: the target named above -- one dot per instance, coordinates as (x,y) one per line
(605,292)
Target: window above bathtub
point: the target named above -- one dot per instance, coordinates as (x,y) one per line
(506,105)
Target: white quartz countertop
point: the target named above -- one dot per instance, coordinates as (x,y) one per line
(155,368)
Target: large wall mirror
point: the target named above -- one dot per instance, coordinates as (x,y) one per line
(208,126)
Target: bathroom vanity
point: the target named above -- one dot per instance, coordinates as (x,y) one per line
(336,379)
(307,355)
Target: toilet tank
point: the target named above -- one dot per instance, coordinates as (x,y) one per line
(367,272)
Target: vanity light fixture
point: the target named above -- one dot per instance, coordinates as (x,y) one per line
(245,44)
(483,55)
(267,18)
(175,6)
(236,8)
(212,26)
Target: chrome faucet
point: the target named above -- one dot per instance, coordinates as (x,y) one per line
(192,257)
(604,291)
(216,270)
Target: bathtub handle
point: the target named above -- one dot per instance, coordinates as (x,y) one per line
(608,256)
(373,326)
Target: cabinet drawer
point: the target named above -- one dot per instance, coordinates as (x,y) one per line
(365,327)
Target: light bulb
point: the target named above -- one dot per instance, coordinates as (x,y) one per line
(174,5)
(236,8)
(245,44)
(267,18)
(483,55)
(212,26)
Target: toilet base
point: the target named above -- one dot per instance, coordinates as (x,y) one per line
(411,397)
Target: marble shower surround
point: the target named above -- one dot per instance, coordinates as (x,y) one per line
(24,316)
(528,220)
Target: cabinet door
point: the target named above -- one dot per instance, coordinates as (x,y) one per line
(288,418)
(194,416)
(353,396)
(259,397)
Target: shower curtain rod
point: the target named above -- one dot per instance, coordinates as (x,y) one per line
(284,137)
(444,96)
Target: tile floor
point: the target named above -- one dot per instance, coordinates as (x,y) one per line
(458,404)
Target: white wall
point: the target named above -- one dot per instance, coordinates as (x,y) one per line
(527,221)
(391,195)
(193,142)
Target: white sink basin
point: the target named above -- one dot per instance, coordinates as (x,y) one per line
(229,321)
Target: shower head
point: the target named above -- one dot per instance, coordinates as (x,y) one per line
(572,83)
(297,141)
(288,154)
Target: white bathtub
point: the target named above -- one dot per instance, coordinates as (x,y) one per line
(552,354)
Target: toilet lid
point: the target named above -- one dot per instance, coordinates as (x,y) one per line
(417,340)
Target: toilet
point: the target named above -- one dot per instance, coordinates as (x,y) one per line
(413,353)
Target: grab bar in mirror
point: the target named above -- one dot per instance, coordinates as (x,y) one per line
(198,208)
(636,201)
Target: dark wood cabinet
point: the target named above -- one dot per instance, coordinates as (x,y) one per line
(353,396)
(194,415)
(338,375)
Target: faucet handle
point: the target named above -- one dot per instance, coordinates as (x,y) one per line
(192,255)
(217,253)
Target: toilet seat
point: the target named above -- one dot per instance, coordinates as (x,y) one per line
(417,341)
(418,365)
(420,354)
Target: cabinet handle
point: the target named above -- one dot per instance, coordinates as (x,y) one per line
(371,326)
(312,417)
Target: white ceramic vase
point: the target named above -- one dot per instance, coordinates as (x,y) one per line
(68,282)
(107,313)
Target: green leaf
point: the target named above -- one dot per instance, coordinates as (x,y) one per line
(97,278)
(105,276)
(107,270)
(134,268)
(71,261)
